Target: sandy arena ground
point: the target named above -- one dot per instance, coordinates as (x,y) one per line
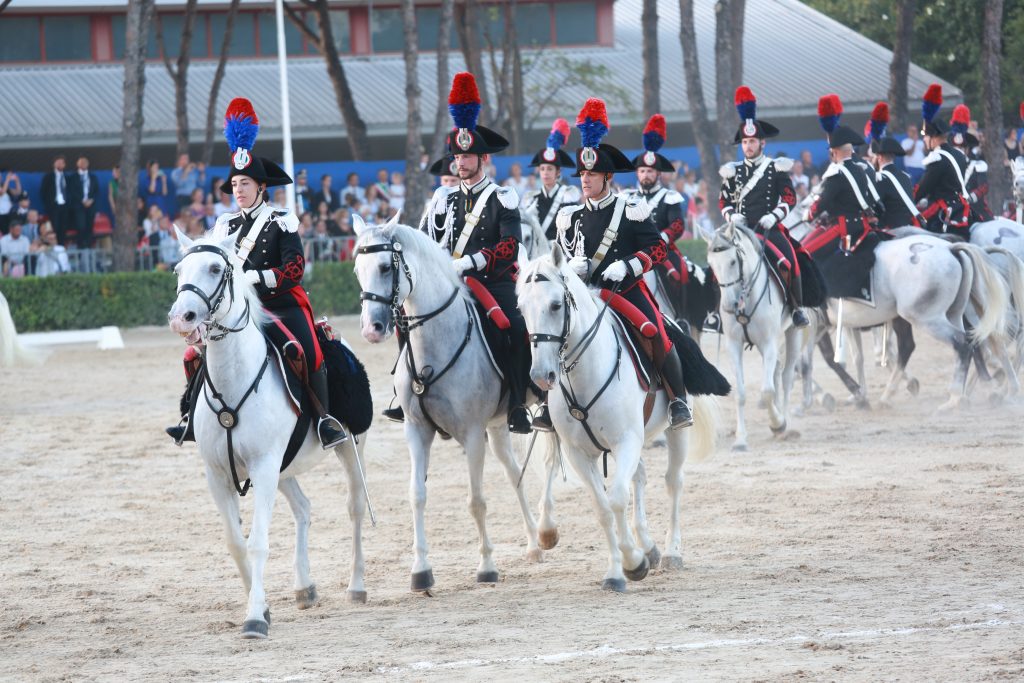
(881,545)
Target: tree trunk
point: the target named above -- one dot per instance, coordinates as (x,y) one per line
(652,75)
(467,25)
(724,84)
(992,115)
(218,77)
(899,68)
(739,10)
(442,124)
(702,129)
(415,187)
(139,14)
(179,73)
(512,80)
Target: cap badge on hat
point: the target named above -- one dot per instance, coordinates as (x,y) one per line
(749,129)
(549,154)
(464,139)
(650,158)
(453,168)
(588,155)
(241,159)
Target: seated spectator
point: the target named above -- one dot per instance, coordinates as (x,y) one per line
(306,225)
(152,221)
(194,227)
(187,177)
(701,224)
(323,247)
(397,191)
(14,250)
(30,228)
(23,207)
(166,243)
(798,175)
(351,189)
(197,204)
(50,257)
(210,219)
(384,212)
(225,204)
(516,180)
(690,185)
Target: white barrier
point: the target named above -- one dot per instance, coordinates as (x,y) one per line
(105,338)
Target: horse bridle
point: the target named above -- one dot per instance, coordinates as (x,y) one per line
(739,311)
(213,301)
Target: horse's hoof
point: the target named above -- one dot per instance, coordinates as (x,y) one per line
(548,538)
(777,431)
(671,563)
(255,628)
(913,386)
(423,581)
(535,556)
(828,402)
(487,577)
(307,597)
(614,585)
(640,573)
(863,404)
(654,556)
(266,616)
(357,597)
(739,447)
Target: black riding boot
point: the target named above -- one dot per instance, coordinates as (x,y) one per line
(183,431)
(328,428)
(542,420)
(517,373)
(394,413)
(796,300)
(672,374)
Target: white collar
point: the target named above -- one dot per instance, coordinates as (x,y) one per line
(654,188)
(602,202)
(554,189)
(475,189)
(249,213)
(754,162)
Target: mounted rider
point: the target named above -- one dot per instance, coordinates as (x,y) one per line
(895,188)
(542,205)
(976,177)
(942,192)
(667,206)
(758,193)
(843,209)
(267,241)
(610,240)
(479,223)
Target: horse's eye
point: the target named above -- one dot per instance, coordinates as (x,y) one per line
(556,306)
(385,267)
(215,269)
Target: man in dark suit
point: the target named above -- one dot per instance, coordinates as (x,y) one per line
(326,194)
(55,198)
(83,188)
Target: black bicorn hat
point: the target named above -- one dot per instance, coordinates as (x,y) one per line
(595,155)
(750,126)
(445,166)
(553,153)
(464,107)
(240,129)
(654,137)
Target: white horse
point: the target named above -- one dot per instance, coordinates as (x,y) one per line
(562,315)
(445,379)
(1018,187)
(754,313)
(242,432)
(12,351)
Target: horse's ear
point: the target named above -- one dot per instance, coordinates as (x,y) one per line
(387,227)
(184,240)
(557,255)
(358,224)
(728,230)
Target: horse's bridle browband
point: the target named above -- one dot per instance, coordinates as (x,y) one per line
(739,311)
(222,290)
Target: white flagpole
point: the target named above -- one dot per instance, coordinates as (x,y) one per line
(286,119)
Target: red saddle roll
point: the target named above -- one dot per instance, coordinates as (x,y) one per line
(631,313)
(490,304)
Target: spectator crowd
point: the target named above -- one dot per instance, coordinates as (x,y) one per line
(66,233)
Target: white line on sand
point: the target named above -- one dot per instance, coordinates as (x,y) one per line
(609,651)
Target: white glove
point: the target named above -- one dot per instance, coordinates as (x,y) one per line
(767,221)
(463,264)
(922,204)
(580,265)
(738,218)
(615,272)
(254,277)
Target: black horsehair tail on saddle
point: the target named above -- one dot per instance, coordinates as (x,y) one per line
(700,376)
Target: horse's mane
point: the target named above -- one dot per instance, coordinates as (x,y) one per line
(419,250)
(260,316)
(544,265)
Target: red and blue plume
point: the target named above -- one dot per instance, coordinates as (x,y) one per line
(592,122)
(961,119)
(746,104)
(830,109)
(559,134)
(879,120)
(655,133)
(1021,112)
(240,124)
(932,102)
(464,101)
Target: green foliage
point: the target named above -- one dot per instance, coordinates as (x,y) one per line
(695,250)
(947,42)
(70,302)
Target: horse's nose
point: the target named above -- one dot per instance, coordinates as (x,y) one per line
(378,327)
(190,316)
(551,377)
